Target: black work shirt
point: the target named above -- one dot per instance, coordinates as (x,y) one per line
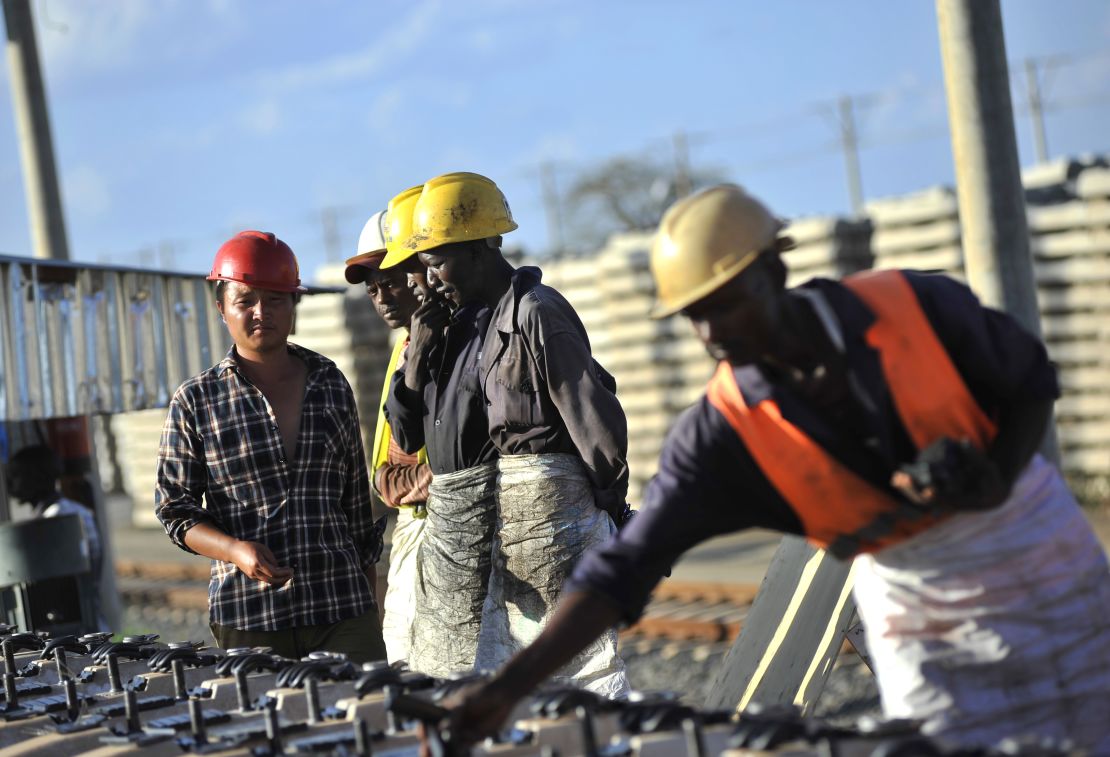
(547,393)
(708,483)
(450,418)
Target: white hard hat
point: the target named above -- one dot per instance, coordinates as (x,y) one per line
(371,250)
(372,238)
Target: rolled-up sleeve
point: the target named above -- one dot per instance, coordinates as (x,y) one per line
(403,480)
(182,474)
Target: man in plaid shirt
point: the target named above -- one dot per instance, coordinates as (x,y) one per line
(269,439)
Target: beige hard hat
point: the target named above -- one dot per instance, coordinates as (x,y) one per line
(705,240)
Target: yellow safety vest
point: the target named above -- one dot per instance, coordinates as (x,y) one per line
(381,431)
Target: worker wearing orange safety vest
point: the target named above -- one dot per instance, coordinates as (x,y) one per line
(892,420)
(399,479)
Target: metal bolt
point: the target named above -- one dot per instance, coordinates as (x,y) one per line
(178,669)
(113,673)
(73,704)
(242,690)
(60,662)
(589,738)
(273,728)
(9,657)
(312,699)
(391,724)
(695,744)
(11,696)
(196,721)
(131,708)
(363,745)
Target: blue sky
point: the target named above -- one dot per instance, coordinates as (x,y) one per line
(178,122)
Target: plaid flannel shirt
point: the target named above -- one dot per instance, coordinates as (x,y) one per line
(221,443)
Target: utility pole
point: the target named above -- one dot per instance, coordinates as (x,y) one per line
(553,209)
(1036,109)
(40,178)
(997,257)
(329,220)
(849,143)
(682,182)
(166,250)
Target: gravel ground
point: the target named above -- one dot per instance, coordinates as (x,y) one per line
(689,670)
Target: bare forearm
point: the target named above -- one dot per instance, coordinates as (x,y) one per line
(580,618)
(205,539)
(414,374)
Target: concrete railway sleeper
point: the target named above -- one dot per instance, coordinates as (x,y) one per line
(94,696)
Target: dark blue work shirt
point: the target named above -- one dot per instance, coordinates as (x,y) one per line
(450,418)
(708,484)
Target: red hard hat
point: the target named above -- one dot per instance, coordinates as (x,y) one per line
(258,259)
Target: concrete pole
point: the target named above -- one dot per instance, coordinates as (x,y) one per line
(682,182)
(849,144)
(997,256)
(1036,109)
(40,179)
(988,179)
(553,210)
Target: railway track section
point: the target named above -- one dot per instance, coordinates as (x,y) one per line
(679,611)
(104,695)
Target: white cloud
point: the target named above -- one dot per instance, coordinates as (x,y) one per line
(86,191)
(391,44)
(553,146)
(483,40)
(76,36)
(262,117)
(386,107)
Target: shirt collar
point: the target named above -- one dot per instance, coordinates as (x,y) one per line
(313,361)
(852,319)
(524,280)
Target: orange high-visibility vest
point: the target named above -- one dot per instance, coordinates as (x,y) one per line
(838,509)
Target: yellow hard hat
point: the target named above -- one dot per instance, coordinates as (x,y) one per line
(398,226)
(458,207)
(704,240)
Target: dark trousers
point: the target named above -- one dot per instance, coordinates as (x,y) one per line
(359,638)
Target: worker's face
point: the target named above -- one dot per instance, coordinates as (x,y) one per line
(392,298)
(21,484)
(739,321)
(416,276)
(28,485)
(455,271)
(259,320)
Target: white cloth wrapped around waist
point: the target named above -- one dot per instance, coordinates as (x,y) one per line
(546,520)
(399,605)
(996,624)
(452,570)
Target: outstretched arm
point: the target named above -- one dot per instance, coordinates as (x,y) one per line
(580,618)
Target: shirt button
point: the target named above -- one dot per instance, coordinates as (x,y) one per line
(437,421)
